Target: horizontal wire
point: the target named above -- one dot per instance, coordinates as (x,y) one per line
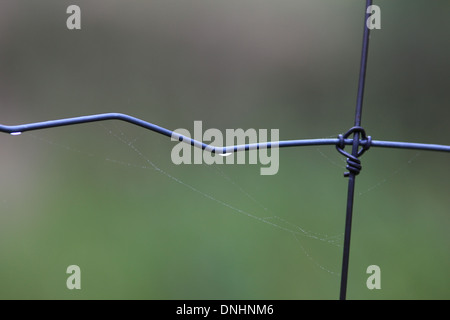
(18,129)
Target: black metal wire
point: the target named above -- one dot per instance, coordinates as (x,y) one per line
(352,173)
(17,129)
(353,162)
(360,144)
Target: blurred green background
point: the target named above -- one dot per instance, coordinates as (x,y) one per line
(88,195)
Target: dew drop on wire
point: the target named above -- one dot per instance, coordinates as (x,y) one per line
(16,133)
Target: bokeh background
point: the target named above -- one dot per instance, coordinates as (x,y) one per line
(88,194)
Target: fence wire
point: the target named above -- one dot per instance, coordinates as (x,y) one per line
(359,141)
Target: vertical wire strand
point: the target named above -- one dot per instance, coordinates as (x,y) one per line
(352,176)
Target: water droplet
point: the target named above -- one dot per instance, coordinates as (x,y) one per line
(224,154)
(16,133)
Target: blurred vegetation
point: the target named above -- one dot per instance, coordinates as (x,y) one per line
(79,195)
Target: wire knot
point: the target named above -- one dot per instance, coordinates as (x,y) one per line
(353,163)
